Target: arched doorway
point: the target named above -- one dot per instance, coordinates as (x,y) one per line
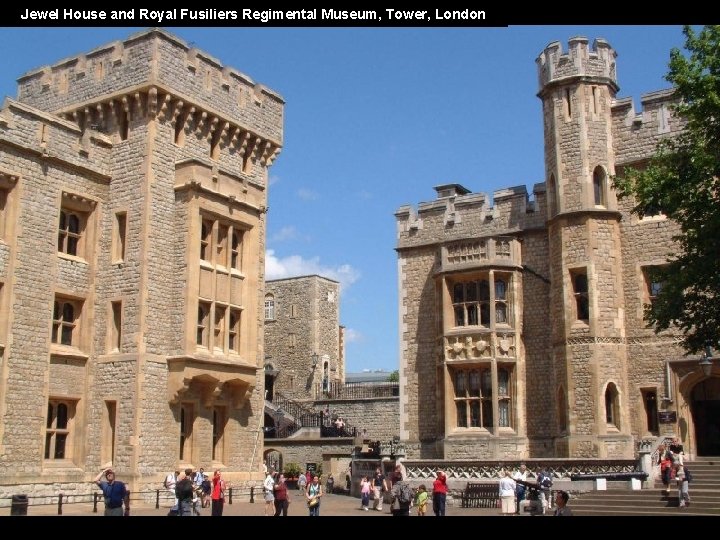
(705,406)
(273,460)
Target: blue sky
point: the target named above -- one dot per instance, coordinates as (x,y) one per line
(374,118)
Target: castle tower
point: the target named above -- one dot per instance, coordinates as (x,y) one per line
(587,351)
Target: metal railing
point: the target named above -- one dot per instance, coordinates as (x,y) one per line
(339,390)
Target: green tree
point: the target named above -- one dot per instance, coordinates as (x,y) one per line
(394,376)
(683,181)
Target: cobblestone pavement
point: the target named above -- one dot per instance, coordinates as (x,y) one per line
(332,505)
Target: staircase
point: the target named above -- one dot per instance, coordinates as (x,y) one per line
(704,496)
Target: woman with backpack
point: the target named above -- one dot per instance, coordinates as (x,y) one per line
(313,494)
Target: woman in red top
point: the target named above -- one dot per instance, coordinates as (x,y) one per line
(218,494)
(281,497)
(439,493)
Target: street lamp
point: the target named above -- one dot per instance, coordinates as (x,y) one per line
(706,362)
(315,358)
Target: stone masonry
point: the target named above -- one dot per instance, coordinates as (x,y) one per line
(133,195)
(522,332)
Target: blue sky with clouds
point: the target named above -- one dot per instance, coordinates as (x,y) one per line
(374,118)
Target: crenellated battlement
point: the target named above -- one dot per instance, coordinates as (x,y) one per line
(592,63)
(155,58)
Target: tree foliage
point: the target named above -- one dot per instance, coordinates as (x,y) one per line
(394,376)
(683,181)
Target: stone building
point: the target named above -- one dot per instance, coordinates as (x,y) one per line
(304,341)
(133,196)
(522,331)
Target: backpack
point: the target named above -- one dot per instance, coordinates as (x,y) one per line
(546,481)
(405,495)
(688,476)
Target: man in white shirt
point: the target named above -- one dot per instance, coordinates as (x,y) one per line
(170,482)
(520,474)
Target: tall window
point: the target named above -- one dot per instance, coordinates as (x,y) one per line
(501,307)
(599,186)
(504,412)
(612,411)
(471,303)
(219,328)
(108,435)
(3,211)
(203,324)
(206,240)
(119,236)
(236,253)
(116,328)
(57,429)
(218,433)
(473,398)
(234,330)
(66,314)
(651,410)
(653,283)
(186,429)
(580,291)
(70,231)
(269,307)
(222,246)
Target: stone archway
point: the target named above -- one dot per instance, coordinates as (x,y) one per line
(705,408)
(273,459)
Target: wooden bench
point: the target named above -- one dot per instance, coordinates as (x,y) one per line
(480,495)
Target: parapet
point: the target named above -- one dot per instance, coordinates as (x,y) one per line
(597,62)
(155,58)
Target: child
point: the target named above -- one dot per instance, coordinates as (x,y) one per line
(365,492)
(421,499)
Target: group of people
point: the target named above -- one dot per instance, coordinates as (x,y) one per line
(188,488)
(515,491)
(672,467)
(275,493)
(402,496)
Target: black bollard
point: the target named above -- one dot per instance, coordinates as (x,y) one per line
(60,498)
(252,494)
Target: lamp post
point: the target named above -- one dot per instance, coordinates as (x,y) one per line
(706,362)
(278,418)
(315,358)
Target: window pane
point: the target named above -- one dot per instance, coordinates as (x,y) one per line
(485,314)
(487,415)
(472,312)
(73,224)
(458,290)
(486,383)
(63,221)
(62,416)
(68,312)
(484,290)
(500,313)
(48,443)
(56,311)
(504,413)
(460,384)
(72,244)
(474,414)
(60,439)
(50,415)
(459,316)
(475,383)
(581,285)
(461,414)
(503,380)
(66,335)
(499,290)
(471,291)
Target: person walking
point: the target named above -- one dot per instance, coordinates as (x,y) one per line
(506,488)
(378,489)
(364,493)
(313,495)
(268,493)
(114,492)
(439,493)
(185,493)
(520,489)
(302,482)
(421,499)
(170,483)
(218,494)
(402,497)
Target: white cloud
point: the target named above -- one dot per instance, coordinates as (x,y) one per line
(286,233)
(295,265)
(353,336)
(307,195)
(274,179)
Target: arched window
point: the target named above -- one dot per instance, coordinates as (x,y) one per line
(269,307)
(612,409)
(599,186)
